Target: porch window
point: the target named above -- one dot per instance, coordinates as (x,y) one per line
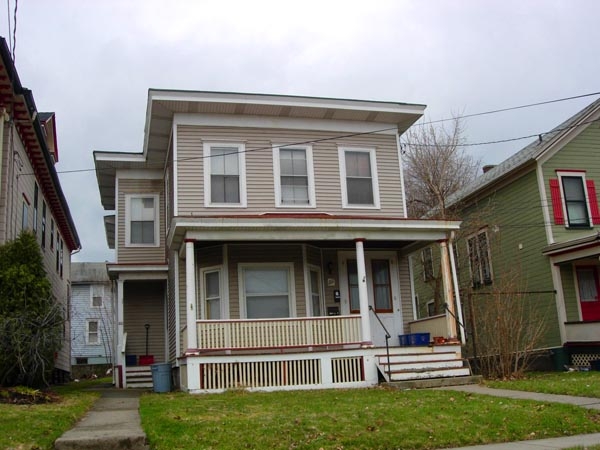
(427,263)
(92,335)
(479,259)
(212,294)
(224,175)
(141,216)
(382,288)
(294,180)
(315,292)
(587,280)
(353,286)
(267,292)
(358,172)
(97,293)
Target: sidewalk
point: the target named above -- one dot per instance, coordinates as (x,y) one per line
(112,423)
(582,440)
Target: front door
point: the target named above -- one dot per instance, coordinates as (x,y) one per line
(588,288)
(383,292)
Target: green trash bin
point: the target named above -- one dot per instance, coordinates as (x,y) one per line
(161,377)
(560,358)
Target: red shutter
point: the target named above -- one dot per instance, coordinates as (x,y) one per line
(559,218)
(591,189)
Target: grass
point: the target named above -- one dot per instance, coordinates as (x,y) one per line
(583,384)
(37,426)
(360,418)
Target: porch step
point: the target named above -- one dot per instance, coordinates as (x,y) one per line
(139,377)
(397,358)
(430,373)
(429,383)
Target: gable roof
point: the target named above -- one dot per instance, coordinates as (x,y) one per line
(528,154)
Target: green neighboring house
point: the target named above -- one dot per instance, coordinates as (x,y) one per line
(531,225)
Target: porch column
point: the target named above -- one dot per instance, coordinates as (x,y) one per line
(119,351)
(190,296)
(363,296)
(448,290)
(461,327)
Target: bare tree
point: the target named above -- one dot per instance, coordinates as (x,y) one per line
(436,166)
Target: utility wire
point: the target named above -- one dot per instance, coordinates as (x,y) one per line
(14,41)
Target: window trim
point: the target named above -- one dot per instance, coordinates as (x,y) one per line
(101,288)
(319,272)
(312,203)
(201,309)
(482,282)
(374,177)
(241,149)
(87,332)
(574,174)
(128,199)
(289,266)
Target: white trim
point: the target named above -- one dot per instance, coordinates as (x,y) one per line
(201,310)
(177,301)
(309,173)
(225,310)
(241,148)
(92,286)
(548,221)
(577,296)
(413,294)
(289,266)
(128,198)
(119,157)
(374,178)
(87,332)
(306,274)
(401,166)
(560,300)
(175,172)
(117,222)
(574,174)
(139,174)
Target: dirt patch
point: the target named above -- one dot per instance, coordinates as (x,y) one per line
(26,396)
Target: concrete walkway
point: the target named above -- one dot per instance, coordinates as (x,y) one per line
(582,440)
(112,423)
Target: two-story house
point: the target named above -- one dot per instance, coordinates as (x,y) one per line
(535,215)
(31,197)
(261,242)
(91,315)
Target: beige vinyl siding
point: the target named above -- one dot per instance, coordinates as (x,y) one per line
(259,169)
(209,256)
(406,303)
(172,306)
(145,304)
(313,256)
(579,154)
(140,254)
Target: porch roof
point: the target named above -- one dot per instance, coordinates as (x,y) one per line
(306,227)
(574,249)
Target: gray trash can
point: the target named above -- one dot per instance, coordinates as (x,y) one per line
(161,377)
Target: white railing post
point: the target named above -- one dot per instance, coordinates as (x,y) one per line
(363,295)
(190,296)
(448,290)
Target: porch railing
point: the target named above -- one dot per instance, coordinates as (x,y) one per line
(435,325)
(582,331)
(278,333)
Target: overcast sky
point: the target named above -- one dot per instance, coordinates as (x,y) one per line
(92,62)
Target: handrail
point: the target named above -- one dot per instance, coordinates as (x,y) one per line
(387,342)
(460,324)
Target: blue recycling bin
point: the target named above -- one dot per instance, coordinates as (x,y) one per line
(161,377)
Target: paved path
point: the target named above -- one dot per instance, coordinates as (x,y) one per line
(112,423)
(582,440)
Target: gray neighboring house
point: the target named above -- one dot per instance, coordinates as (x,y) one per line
(91,314)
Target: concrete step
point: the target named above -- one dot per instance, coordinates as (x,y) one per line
(422,365)
(417,357)
(430,373)
(429,383)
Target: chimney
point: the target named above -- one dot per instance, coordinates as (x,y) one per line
(488,167)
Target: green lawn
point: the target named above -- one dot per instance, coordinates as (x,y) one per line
(360,418)
(583,384)
(38,426)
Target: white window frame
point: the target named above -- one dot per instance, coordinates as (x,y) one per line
(201,309)
(87,332)
(482,282)
(309,173)
(241,149)
(99,289)
(128,198)
(374,177)
(317,269)
(289,266)
(574,174)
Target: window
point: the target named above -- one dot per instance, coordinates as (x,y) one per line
(97,293)
(43,224)
(212,294)
(62,245)
(92,334)
(57,250)
(427,263)
(431,308)
(358,172)
(141,217)
(51,234)
(224,175)
(382,287)
(479,259)
(353,286)
(315,292)
(574,200)
(25,216)
(294,178)
(81,360)
(267,291)
(35,207)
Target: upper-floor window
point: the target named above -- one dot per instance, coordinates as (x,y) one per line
(224,175)
(479,258)
(358,174)
(25,215)
(294,177)
(97,294)
(43,224)
(141,220)
(574,200)
(35,208)
(51,234)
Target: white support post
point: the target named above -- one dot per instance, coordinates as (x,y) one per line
(120,350)
(190,297)
(363,295)
(462,330)
(448,290)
